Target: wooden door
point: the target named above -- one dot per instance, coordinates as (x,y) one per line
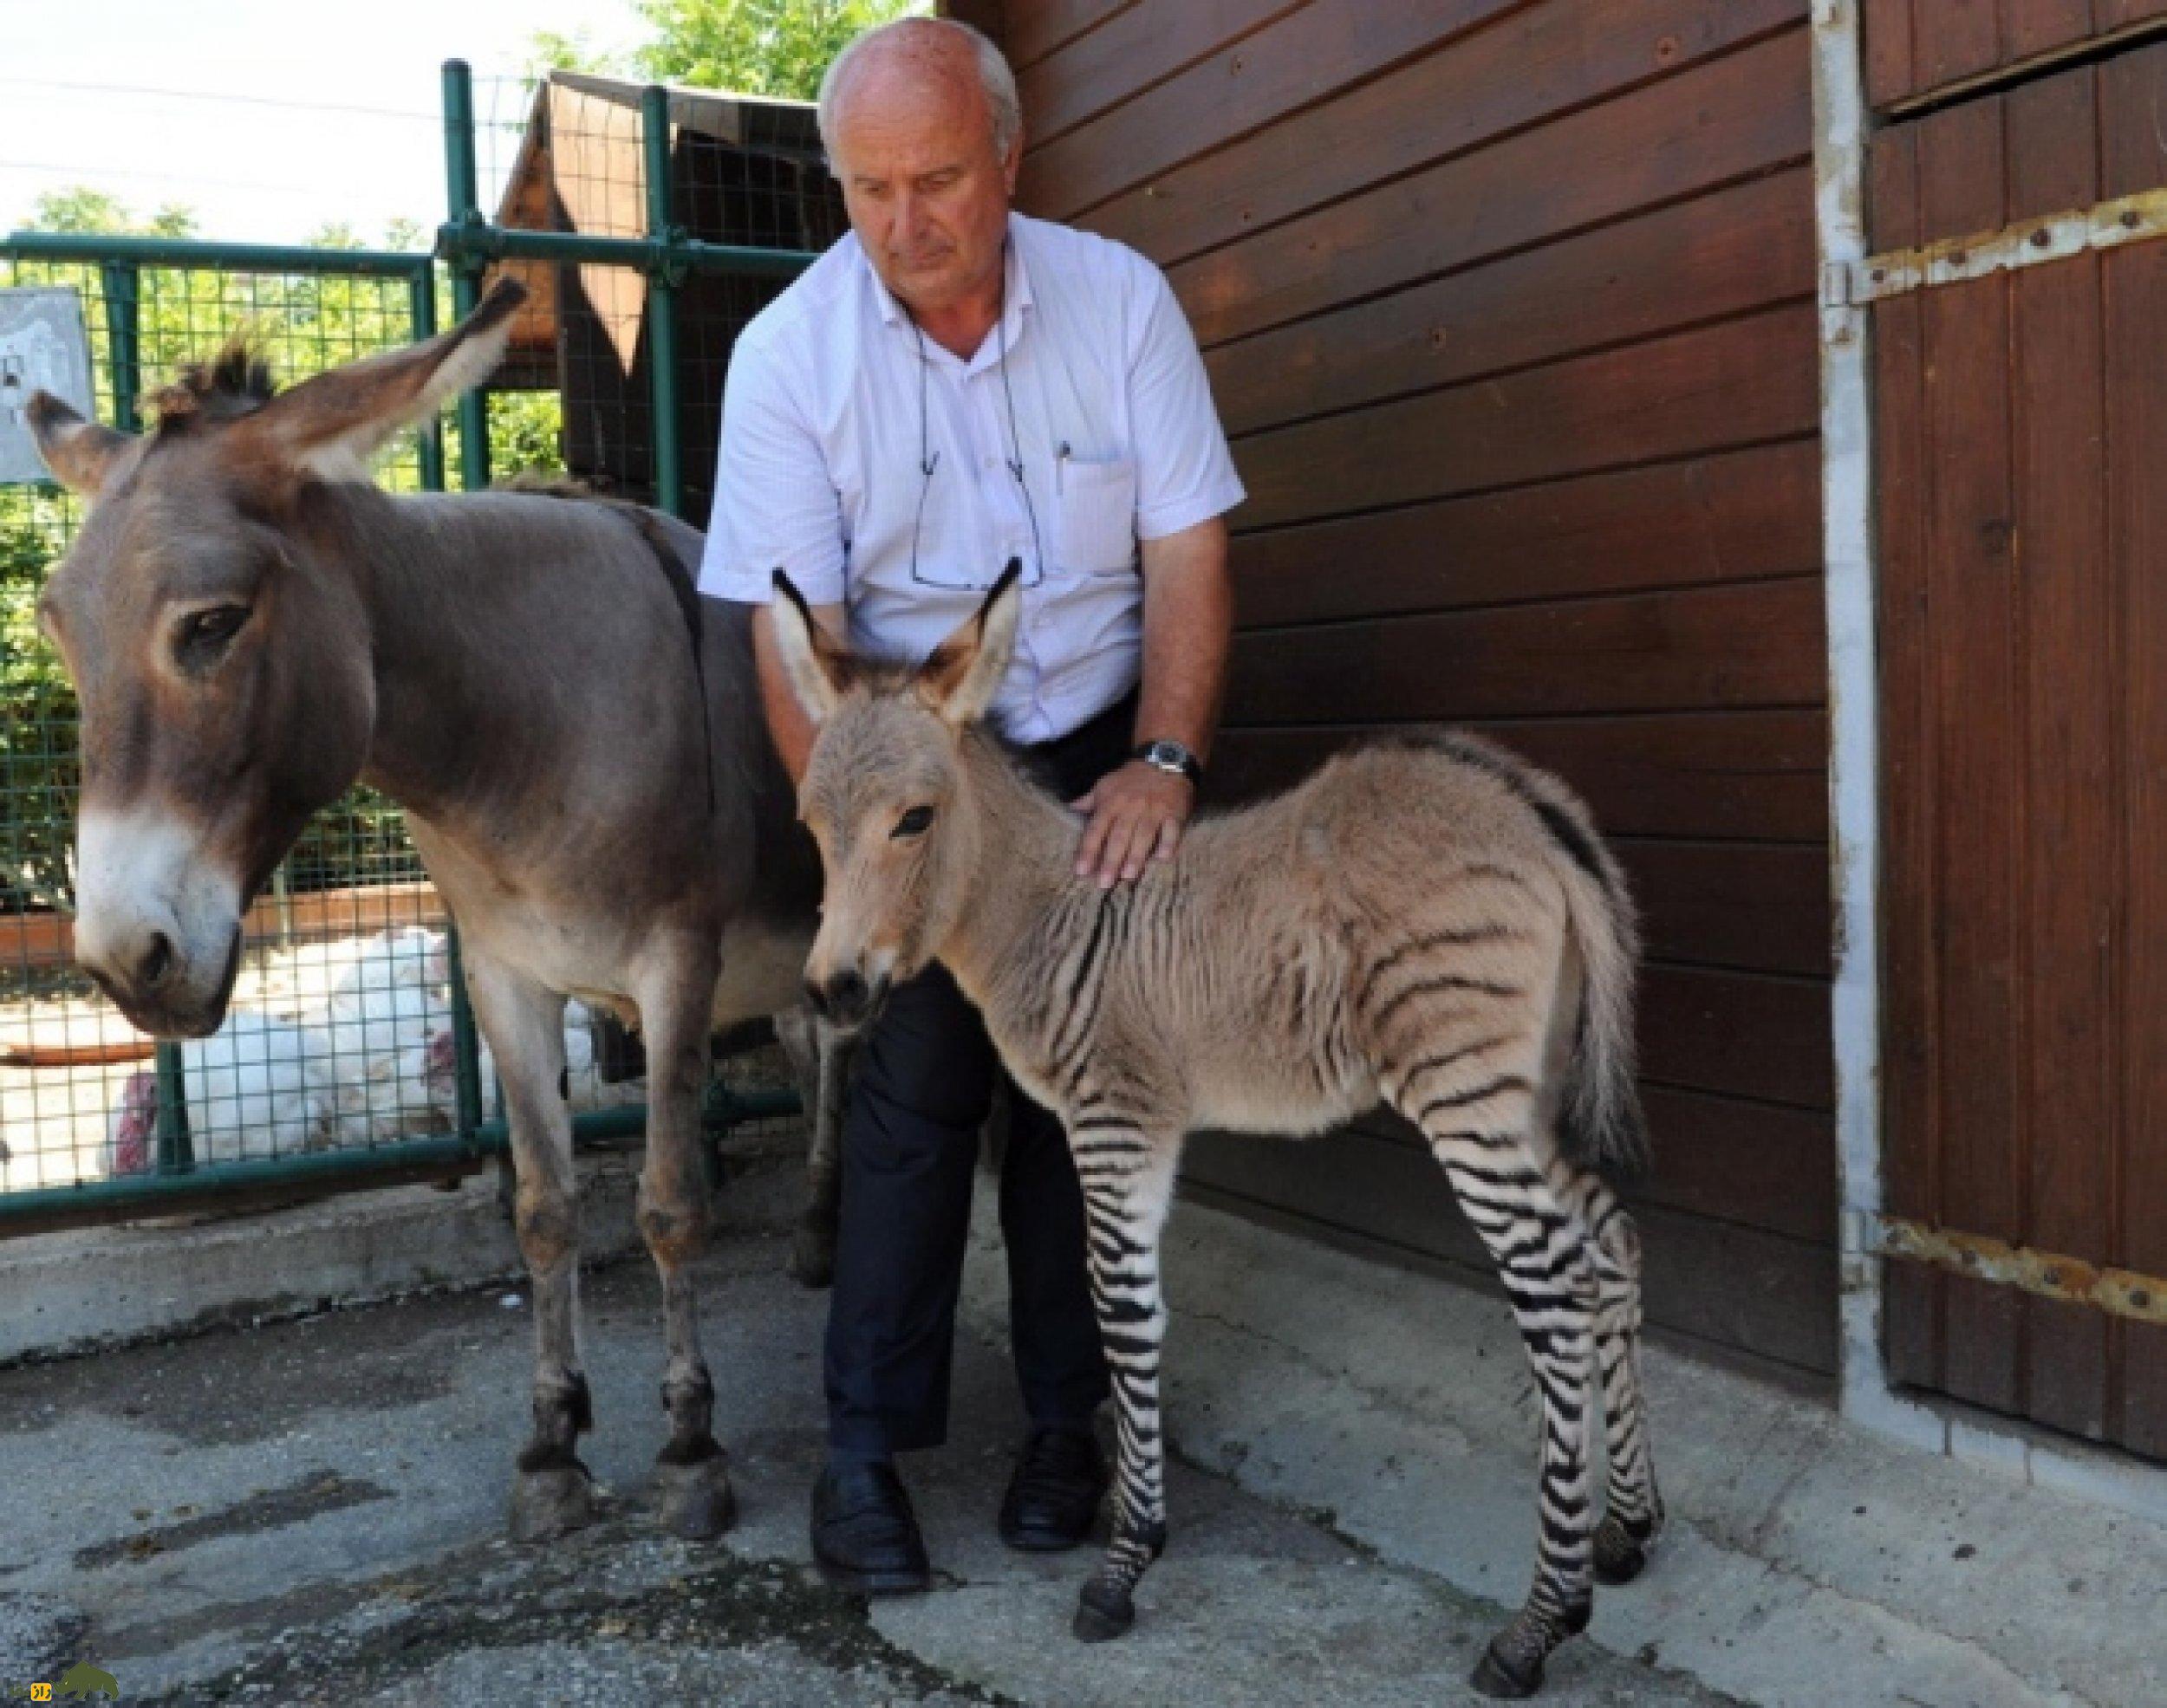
(2021,423)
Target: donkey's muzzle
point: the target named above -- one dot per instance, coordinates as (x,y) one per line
(158,917)
(845,1000)
(156,992)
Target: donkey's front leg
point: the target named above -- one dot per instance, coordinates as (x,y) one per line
(676,1011)
(1128,1178)
(524,1024)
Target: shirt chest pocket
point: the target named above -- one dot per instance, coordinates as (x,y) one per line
(1095,516)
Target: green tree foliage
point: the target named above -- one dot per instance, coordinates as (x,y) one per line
(757,47)
(550,50)
(84,210)
(37,707)
(526,433)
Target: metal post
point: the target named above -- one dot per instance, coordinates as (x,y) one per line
(176,1145)
(421,313)
(463,200)
(123,285)
(655,133)
(283,899)
(481,243)
(466,1057)
(122,282)
(194,254)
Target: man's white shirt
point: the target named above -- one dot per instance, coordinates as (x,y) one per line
(821,472)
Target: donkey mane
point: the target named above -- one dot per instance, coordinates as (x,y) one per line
(235,382)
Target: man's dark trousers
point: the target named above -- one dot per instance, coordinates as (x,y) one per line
(925,1074)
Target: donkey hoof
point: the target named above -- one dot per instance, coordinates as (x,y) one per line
(546,1504)
(1498,1675)
(1103,1613)
(697,1502)
(812,1258)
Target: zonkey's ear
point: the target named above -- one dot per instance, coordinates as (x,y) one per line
(335,422)
(965,672)
(81,454)
(819,669)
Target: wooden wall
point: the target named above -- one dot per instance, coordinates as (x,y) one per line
(1509,311)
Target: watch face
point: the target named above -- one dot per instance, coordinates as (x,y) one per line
(1169,755)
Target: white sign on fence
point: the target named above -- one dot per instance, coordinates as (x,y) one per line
(43,347)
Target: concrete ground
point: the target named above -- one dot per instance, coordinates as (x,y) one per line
(310,1509)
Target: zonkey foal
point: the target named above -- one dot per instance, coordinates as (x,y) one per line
(1429,922)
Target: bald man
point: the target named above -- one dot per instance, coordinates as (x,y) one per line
(952,386)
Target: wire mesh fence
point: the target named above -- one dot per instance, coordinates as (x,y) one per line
(569,155)
(347,1032)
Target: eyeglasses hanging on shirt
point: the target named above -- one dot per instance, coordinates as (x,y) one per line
(980,580)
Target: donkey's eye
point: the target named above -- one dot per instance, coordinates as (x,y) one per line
(202,632)
(914,823)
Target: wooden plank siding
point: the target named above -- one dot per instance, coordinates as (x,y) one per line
(1920,50)
(2022,525)
(1508,305)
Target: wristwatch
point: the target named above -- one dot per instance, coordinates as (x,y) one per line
(1172,757)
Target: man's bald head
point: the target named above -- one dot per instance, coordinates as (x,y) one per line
(925,59)
(922,130)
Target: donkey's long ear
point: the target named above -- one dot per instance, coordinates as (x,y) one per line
(965,670)
(81,454)
(819,669)
(334,422)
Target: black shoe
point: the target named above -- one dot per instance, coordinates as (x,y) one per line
(1052,1499)
(864,1535)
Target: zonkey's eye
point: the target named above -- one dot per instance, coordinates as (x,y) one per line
(213,628)
(914,823)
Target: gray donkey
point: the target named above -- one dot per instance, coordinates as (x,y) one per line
(1431,923)
(252,624)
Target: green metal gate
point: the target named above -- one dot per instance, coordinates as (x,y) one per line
(352,1057)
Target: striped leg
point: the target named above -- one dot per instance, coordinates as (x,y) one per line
(1546,1261)
(1633,1506)
(1128,1179)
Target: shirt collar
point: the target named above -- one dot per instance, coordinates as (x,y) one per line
(1016,295)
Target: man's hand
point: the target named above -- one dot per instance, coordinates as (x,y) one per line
(1136,816)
